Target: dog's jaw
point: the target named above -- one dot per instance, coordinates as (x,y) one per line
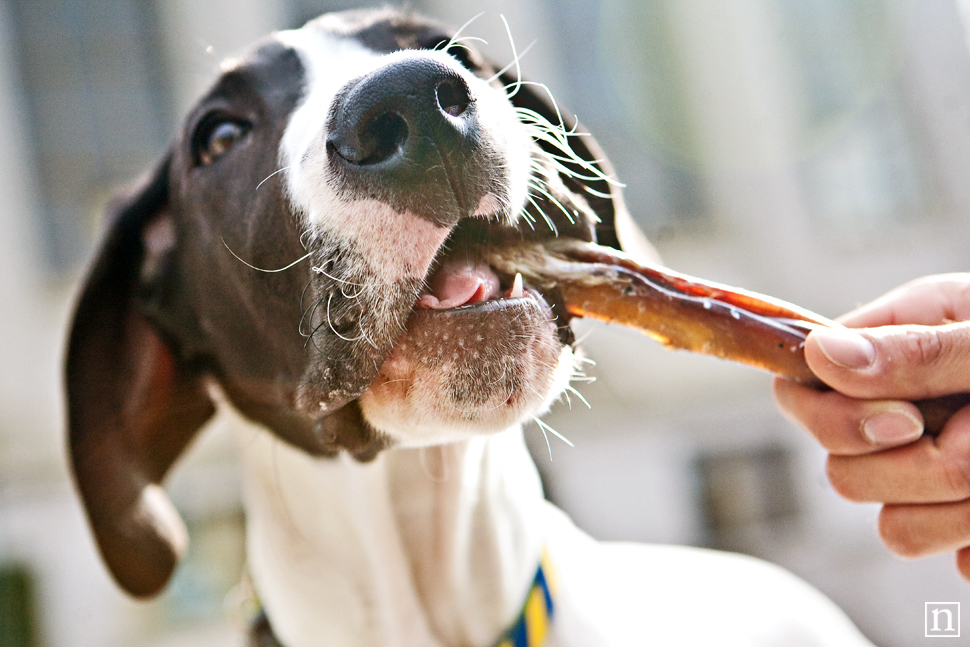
(447,381)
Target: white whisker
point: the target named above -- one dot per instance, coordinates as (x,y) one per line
(271,175)
(457,36)
(577,393)
(514,63)
(320,270)
(546,436)
(545,427)
(515,58)
(259,269)
(334,330)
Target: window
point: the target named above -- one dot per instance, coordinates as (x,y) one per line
(619,74)
(859,169)
(92,94)
(746,490)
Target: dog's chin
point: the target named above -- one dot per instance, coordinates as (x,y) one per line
(476,369)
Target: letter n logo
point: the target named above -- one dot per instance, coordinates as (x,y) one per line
(942,620)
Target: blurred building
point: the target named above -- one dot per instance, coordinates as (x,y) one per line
(817,151)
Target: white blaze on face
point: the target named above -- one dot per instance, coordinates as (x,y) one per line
(396,245)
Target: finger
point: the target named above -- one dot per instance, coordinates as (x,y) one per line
(893,362)
(930,301)
(930,470)
(847,426)
(921,530)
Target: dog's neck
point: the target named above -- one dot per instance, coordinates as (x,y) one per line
(426,546)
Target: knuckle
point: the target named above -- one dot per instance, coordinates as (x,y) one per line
(922,347)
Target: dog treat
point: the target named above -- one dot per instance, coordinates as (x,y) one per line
(684,312)
(677,310)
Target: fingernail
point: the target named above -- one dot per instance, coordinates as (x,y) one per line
(892,428)
(845,348)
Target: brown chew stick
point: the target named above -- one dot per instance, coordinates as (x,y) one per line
(684,312)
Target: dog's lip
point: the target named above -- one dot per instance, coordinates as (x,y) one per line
(503,300)
(531,304)
(529,294)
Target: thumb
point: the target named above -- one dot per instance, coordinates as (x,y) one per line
(896,362)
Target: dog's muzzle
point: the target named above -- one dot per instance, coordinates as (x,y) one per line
(408,134)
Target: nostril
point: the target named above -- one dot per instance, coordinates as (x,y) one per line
(453,97)
(376,141)
(385,135)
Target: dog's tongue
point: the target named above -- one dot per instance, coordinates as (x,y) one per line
(459,282)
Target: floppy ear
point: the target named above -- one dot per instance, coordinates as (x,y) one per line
(133,406)
(616,227)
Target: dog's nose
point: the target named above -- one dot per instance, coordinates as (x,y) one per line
(409,134)
(402,114)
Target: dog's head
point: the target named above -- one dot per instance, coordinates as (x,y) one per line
(315,243)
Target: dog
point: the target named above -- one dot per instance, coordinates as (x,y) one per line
(310,260)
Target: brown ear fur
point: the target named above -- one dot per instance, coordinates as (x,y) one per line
(132,405)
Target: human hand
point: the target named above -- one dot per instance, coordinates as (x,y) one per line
(914,344)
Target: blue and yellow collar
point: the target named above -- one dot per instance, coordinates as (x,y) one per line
(529,629)
(532,625)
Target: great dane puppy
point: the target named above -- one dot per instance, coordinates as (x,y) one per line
(311,259)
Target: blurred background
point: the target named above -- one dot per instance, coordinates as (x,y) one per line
(815,150)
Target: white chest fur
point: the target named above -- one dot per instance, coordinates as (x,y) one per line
(424,546)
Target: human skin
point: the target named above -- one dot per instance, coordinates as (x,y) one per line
(912,343)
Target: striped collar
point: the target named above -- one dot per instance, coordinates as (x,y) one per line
(532,624)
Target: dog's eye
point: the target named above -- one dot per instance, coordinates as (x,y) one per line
(215,137)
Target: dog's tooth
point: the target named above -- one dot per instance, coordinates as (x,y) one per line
(517,287)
